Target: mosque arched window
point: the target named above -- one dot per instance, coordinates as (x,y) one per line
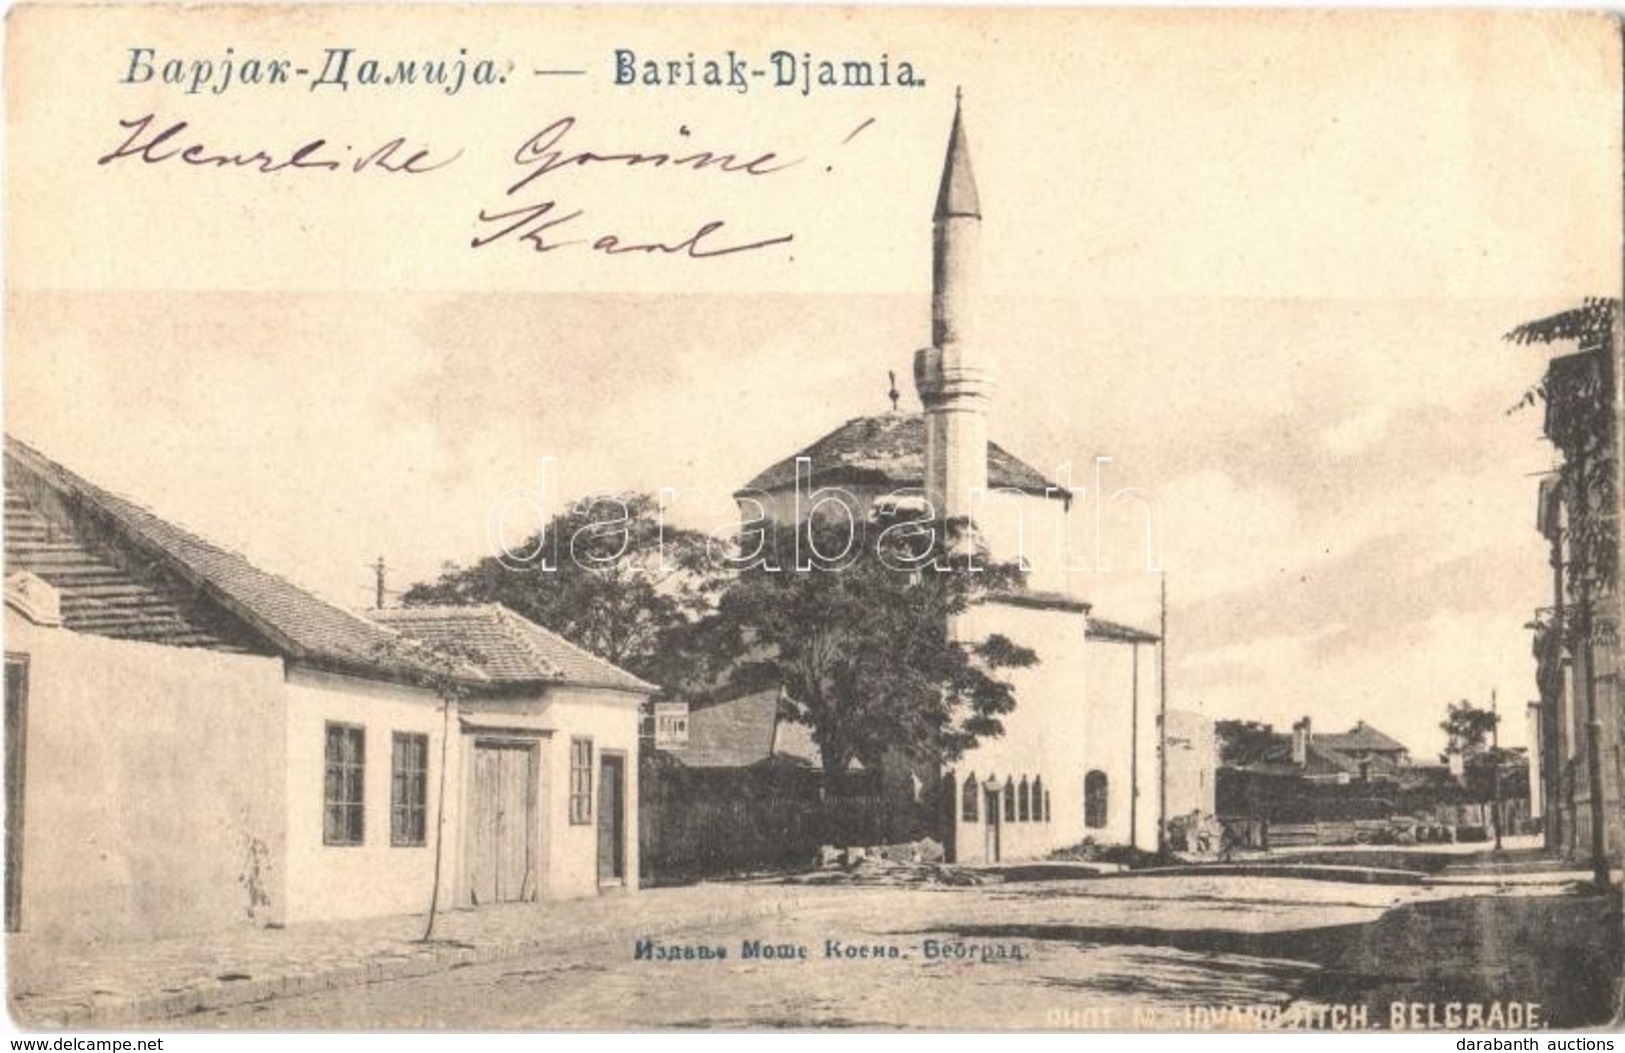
(1094,800)
(967,799)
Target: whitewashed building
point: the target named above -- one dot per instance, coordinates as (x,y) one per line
(194,743)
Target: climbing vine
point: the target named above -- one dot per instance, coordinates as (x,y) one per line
(1578,392)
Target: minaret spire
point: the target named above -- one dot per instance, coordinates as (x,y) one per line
(953,375)
(956,196)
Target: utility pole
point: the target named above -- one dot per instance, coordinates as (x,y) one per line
(1162,719)
(1134,749)
(1495,758)
(378,570)
(1615,350)
(1599,827)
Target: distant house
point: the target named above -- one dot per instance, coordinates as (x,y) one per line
(1361,774)
(1364,744)
(193,743)
(1362,753)
(747,732)
(1303,777)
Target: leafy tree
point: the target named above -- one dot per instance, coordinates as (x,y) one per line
(1471,730)
(609,575)
(862,643)
(1243,742)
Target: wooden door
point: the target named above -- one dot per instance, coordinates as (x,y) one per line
(611,819)
(502,813)
(1094,800)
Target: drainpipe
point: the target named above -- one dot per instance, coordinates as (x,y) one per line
(1162,720)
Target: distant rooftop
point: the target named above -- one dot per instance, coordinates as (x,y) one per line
(745,732)
(511,649)
(889,450)
(1361,737)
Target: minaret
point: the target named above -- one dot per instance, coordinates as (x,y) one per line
(952,376)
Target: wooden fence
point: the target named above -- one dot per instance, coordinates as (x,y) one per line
(726,822)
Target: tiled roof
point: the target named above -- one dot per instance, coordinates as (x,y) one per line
(1360,737)
(889,451)
(747,731)
(1331,758)
(733,734)
(125,572)
(1020,596)
(1323,758)
(100,593)
(511,649)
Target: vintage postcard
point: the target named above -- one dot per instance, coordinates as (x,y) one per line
(743,518)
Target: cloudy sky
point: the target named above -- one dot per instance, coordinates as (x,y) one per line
(1267,279)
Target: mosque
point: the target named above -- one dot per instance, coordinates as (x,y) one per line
(1065,768)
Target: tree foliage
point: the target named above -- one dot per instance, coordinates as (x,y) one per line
(1589,325)
(1469,729)
(862,644)
(1243,742)
(609,575)
(1578,392)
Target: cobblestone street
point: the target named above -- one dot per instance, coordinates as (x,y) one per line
(1153,952)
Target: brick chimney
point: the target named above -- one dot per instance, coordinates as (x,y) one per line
(1300,742)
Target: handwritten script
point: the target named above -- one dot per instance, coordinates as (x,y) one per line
(530,215)
(150,141)
(538,224)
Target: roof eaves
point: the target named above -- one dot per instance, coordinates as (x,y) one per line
(1116,632)
(1039,599)
(87,498)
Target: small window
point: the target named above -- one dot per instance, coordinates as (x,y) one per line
(967,799)
(1038,799)
(1009,800)
(344,818)
(409,789)
(1024,802)
(1046,806)
(580,781)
